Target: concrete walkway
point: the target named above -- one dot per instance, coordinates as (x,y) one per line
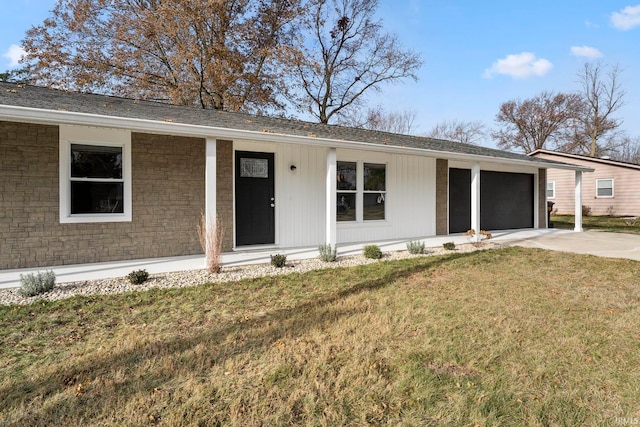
(615,245)
(104,270)
(599,243)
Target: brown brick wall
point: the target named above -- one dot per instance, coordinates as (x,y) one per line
(168,198)
(224,191)
(542,198)
(442,197)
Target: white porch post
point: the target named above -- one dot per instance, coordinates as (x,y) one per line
(475,199)
(331,188)
(578,202)
(210,184)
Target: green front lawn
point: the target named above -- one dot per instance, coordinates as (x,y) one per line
(506,337)
(600,223)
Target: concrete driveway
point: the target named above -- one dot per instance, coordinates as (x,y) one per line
(612,245)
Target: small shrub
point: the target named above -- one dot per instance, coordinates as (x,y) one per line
(415,247)
(611,211)
(586,210)
(278,260)
(449,246)
(327,253)
(372,252)
(138,277)
(36,284)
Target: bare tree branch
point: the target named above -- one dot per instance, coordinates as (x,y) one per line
(378,119)
(347,55)
(603,96)
(468,132)
(528,125)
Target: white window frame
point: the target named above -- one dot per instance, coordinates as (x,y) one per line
(360,192)
(382,193)
(612,188)
(355,192)
(93,136)
(553,189)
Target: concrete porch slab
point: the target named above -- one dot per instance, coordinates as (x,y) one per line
(104,270)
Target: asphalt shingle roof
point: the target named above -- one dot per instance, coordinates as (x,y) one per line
(51,99)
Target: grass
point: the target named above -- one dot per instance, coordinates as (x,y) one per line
(498,338)
(600,223)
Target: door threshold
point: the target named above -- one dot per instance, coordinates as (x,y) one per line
(255,248)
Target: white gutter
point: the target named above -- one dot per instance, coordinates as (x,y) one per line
(55,117)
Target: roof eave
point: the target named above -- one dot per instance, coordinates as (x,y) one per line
(54,117)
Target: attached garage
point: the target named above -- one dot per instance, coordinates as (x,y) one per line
(506,200)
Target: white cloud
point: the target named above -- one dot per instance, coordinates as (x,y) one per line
(627,18)
(14,54)
(590,24)
(519,66)
(586,51)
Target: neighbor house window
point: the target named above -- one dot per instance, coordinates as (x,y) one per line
(95,175)
(604,187)
(551,190)
(361,191)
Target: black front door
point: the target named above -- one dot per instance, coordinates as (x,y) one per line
(255,198)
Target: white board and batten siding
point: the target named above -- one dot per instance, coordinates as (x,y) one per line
(410,199)
(300,195)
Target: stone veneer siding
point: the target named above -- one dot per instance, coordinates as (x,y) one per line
(168,198)
(224,191)
(442,197)
(542,198)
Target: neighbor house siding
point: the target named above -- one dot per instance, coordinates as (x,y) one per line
(168,196)
(626,199)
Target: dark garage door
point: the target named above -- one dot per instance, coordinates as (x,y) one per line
(506,200)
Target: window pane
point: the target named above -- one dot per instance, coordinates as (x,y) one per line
(605,187)
(551,189)
(373,206)
(346,210)
(96,197)
(374,177)
(346,172)
(254,168)
(96,161)
(605,183)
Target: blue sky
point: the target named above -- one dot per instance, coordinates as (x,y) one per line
(477,54)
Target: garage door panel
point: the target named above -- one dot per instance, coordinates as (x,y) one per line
(506,200)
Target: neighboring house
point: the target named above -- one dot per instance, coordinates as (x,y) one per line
(612,189)
(88,178)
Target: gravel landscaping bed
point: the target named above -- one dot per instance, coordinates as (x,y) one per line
(182,279)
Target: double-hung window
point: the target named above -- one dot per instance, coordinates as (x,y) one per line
(375,190)
(347,191)
(604,187)
(95,175)
(361,191)
(551,189)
